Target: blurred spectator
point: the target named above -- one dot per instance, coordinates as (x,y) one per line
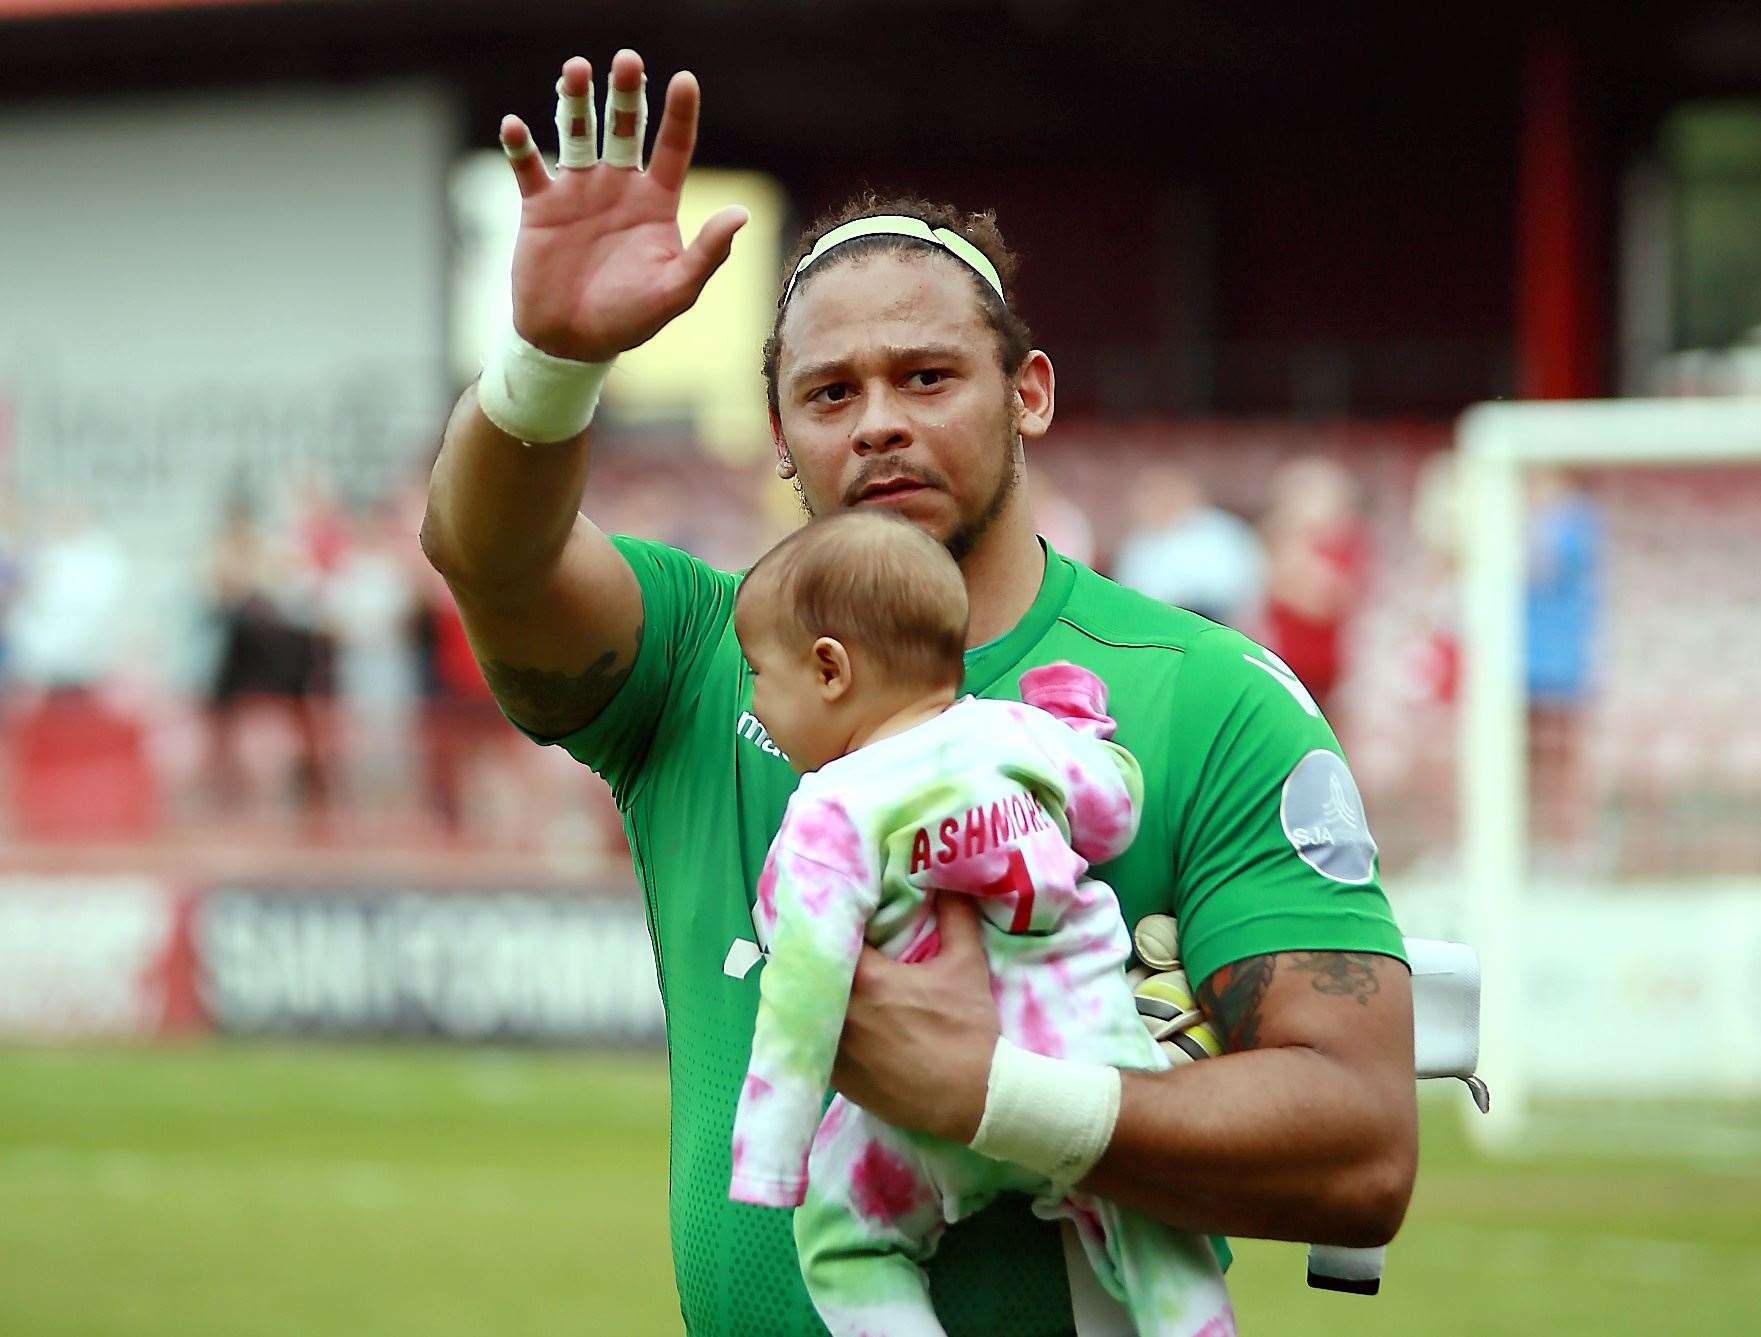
(1318,556)
(272,657)
(321,529)
(78,768)
(1565,554)
(371,603)
(72,596)
(10,578)
(1563,597)
(1190,553)
(1058,516)
(1436,525)
(461,720)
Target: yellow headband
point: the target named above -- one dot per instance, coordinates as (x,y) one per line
(900,225)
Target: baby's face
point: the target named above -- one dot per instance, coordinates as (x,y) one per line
(788,699)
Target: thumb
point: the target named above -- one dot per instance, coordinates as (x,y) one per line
(871,962)
(958,927)
(715,240)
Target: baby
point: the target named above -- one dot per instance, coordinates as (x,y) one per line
(855,628)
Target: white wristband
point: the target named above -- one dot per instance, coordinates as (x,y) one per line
(1053,1116)
(536,397)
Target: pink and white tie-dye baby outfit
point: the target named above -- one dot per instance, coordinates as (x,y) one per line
(1009,804)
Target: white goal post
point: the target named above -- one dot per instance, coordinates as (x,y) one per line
(1497,443)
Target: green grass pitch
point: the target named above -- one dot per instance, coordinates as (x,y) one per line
(260,1190)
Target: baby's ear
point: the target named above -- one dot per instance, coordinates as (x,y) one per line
(831,664)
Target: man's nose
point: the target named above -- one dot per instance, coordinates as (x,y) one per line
(883,424)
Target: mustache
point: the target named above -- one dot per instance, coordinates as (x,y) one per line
(890,471)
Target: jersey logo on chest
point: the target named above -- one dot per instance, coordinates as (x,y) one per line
(752,731)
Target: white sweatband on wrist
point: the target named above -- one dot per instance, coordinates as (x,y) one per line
(1053,1116)
(536,397)
(577,128)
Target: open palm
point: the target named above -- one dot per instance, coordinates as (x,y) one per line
(599,265)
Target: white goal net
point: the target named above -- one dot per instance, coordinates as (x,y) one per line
(1610,781)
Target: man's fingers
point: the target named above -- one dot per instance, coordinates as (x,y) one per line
(705,255)
(577,76)
(626,70)
(626,111)
(516,142)
(677,136)
(872,959)
(577,126)
(873,966)
(957,921)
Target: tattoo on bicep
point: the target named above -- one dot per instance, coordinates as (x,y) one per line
(1232,995)
(1341,974)
(554,703)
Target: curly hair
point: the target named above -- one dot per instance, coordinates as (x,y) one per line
(1014,341)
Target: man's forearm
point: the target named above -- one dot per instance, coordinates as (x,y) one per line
(1307,1130)
(499,510)
(1278,1143)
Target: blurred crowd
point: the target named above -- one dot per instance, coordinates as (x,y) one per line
(329,699)
(336,700)
(337,703)
(1292,581)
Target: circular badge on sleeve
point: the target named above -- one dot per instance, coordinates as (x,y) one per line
(1323,817)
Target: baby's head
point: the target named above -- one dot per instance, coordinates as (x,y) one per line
(846,623)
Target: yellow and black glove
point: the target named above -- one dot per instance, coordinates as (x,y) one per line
(1165,1000)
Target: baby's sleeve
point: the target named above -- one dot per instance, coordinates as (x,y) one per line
(815,897)
(1103,782)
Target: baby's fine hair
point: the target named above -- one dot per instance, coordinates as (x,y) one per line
(874,582)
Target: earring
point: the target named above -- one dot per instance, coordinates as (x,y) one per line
(785,467)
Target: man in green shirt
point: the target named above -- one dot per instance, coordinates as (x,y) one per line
(901,378)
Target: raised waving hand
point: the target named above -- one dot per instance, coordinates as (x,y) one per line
(599,265)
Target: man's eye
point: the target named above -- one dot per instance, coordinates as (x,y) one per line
(831,394)
(929,377)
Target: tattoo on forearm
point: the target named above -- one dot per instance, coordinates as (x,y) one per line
(1342,974)
(1231,997)
(554,703)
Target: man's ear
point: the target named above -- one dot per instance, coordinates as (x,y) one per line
(1036,392)
(785,461)
(831,668)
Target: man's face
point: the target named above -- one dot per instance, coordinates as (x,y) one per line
(890,394)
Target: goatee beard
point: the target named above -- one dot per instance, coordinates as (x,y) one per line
(966,535)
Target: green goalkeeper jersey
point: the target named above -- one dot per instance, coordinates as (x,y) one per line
(1253,837)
